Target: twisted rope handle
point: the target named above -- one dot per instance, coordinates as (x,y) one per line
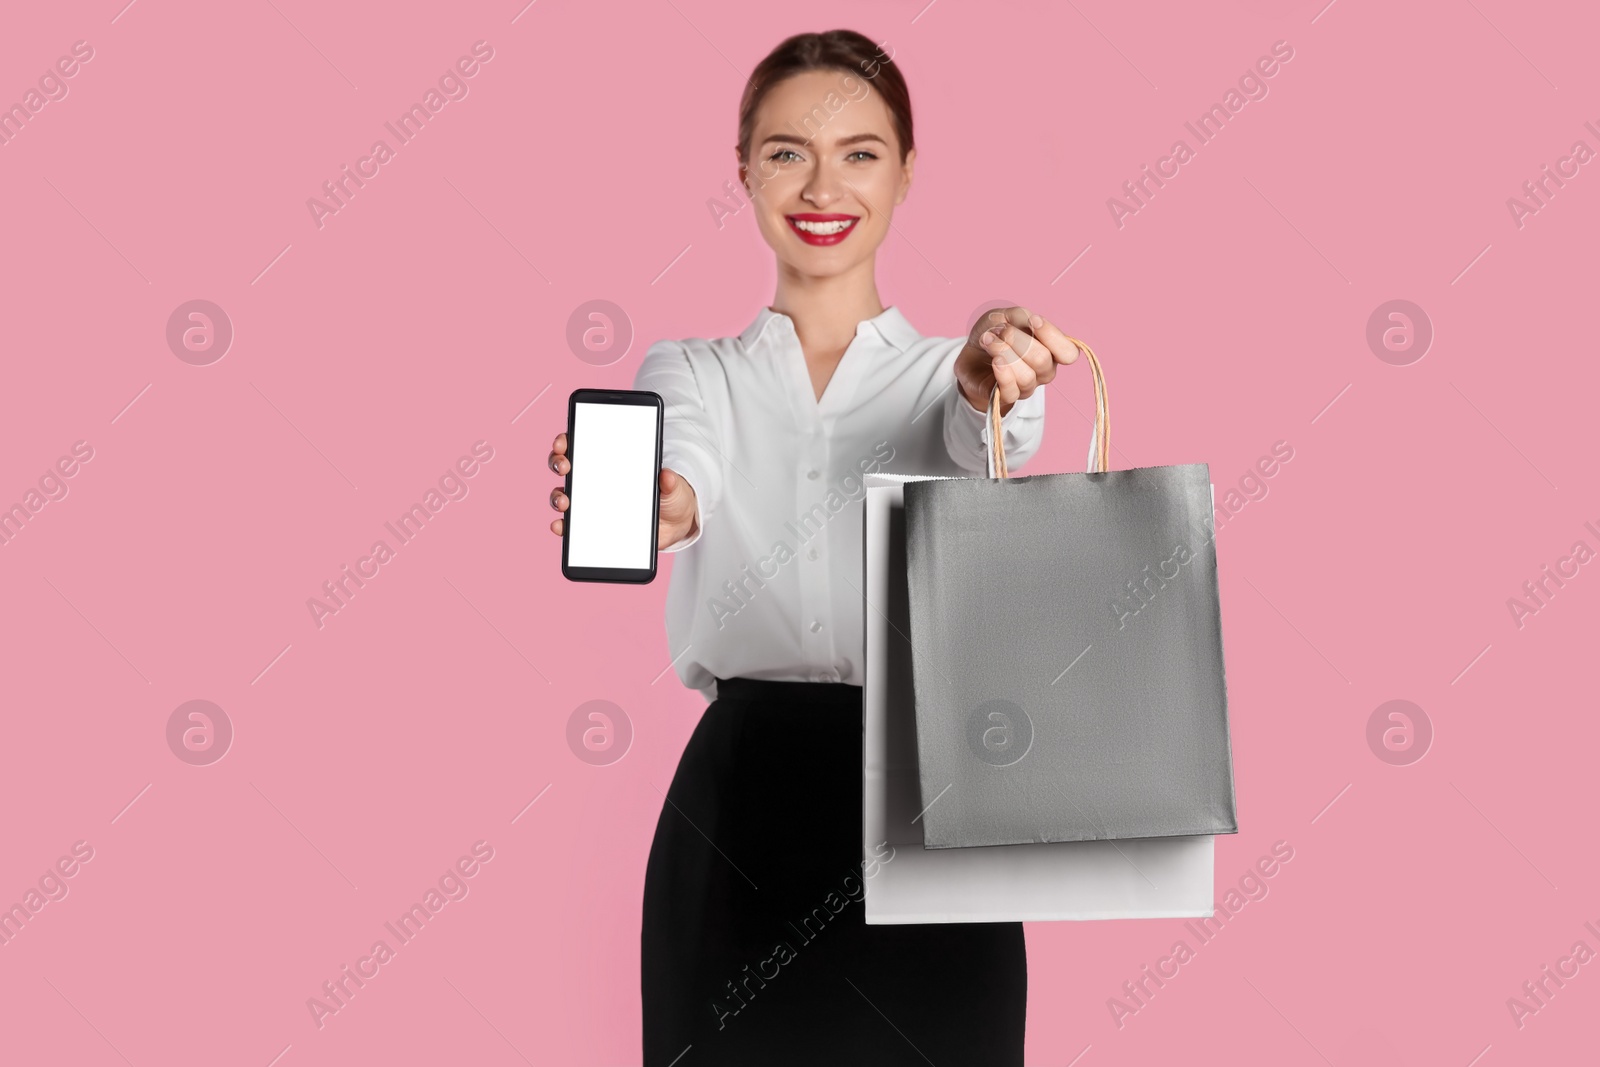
(1099,445)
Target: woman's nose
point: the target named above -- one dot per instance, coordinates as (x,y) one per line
(823,188)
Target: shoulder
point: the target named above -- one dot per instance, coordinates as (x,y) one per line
(707,354)
(694,351)
(916,348)
(937,354)
(695,363)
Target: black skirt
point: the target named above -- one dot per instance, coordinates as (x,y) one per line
(754,947)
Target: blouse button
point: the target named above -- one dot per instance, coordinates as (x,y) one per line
(811,554)
(813,474)
(816,625)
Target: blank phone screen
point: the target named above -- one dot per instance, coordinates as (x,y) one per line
(613,485)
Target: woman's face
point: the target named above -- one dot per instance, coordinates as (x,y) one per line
(824,171)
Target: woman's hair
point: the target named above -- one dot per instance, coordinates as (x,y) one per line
(844,50)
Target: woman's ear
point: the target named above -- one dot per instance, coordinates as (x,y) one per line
(743,170)
(905,176)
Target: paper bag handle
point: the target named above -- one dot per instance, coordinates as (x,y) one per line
(1099,445)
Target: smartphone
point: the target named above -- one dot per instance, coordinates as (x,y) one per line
(613,486)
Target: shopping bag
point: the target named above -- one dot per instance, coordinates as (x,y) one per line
(906,883)
(1067,669)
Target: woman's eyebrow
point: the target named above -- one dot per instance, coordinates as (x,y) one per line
(789,138)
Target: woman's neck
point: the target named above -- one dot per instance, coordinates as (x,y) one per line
(826,311)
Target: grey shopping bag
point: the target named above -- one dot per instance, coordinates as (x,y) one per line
(1067,652)
(906,883)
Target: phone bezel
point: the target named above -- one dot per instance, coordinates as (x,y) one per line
(629,398)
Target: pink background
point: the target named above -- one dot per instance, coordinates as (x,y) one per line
(369,354)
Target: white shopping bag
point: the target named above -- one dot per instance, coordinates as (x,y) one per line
(1148,878)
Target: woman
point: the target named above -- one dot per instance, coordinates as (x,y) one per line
(754,948)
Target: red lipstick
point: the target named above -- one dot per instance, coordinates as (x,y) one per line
(835,228)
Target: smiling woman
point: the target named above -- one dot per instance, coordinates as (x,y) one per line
(764,814)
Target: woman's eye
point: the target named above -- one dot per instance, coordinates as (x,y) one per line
(863,153)
(784,152)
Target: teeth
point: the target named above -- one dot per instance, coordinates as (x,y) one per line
(823,227)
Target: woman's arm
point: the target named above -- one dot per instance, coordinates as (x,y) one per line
(691,455)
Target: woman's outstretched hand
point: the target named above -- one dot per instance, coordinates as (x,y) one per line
(679,508)
(1012,347)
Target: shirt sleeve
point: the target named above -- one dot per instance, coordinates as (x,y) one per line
(966,429)
(688,435)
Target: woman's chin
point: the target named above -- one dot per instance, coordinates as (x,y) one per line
(826,262)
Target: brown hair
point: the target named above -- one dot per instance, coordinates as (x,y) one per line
(844,50)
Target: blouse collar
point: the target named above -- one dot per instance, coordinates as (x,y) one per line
(891,325)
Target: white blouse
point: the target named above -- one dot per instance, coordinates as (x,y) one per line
(770,586)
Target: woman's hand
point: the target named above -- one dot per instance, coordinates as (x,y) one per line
(1012,347)
(679,508)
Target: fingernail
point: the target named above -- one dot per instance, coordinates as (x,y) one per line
(1035,321)
(987,338)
